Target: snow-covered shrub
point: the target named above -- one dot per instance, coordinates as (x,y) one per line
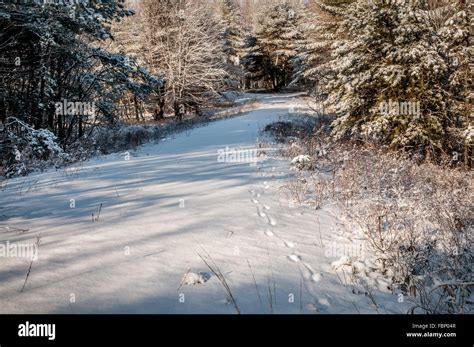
(302,162)
(283,130)
(122,137)
(417,218)
(25,149)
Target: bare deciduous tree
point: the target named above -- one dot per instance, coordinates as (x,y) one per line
(180,40)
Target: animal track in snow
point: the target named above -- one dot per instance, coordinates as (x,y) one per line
(271,221)
(289,244)
(261,213)
(254,201)
(324,301)
(269,233)
(294,258)
(314,276)
(191,278)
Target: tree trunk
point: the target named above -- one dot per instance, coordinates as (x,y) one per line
(177,111)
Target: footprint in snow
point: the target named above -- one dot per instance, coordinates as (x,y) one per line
(191,278)
(316,277)
(294,258)
(266,207)
(290,244)
(255,201)
(324,302)
(344,261)
(269,233)
(271,221)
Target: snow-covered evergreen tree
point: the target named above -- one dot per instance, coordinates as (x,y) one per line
(272,46)
(52,53)
(234,31)
(256,62)
(319,28)
(389,54)
(457,43)
(232,39)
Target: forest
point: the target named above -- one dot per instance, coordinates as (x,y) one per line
(111,109)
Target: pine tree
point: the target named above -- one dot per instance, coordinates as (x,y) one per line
(233,38)
(234,32)
(256,62)
(271,48)
(456,40)
(389,54)
(56,46)
(319,28)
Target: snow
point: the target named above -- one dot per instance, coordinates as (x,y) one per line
(316,277)
(294,258)
(164,210)
(341,262)
(191,278)
(301,161)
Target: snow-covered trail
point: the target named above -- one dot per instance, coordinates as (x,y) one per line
(161,209)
